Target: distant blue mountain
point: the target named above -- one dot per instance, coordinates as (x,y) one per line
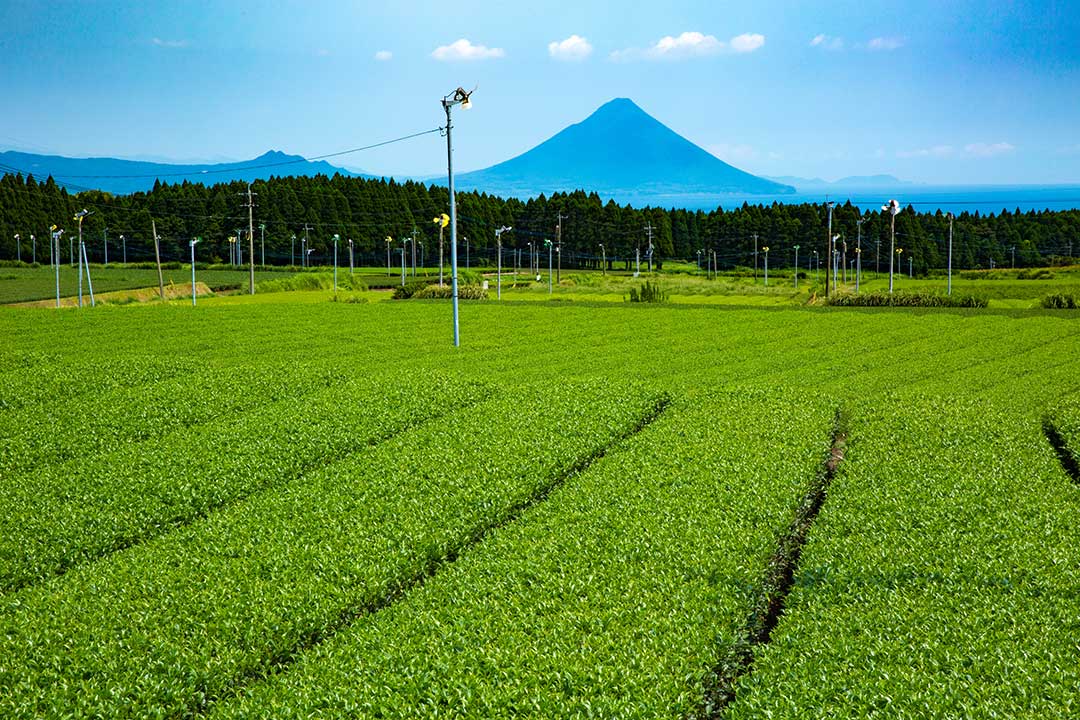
(127,176)
(619,151)
(854,181)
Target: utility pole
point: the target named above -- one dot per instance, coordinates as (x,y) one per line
(796,267)
(414,251)
(157,259)
(755,257)
(54,250)
(350,257)
(603,260)
(292,254)
(123,244)
(106,243)
(262,240)
(251,241)
(304,245)
(442,221)
(498,276)
(858,252)
(1013,250)
(948,290)
(558,245)
(18,248)
(829,250)
(33,248)
(766,251)
(893,208)
(648,253)
(388,241)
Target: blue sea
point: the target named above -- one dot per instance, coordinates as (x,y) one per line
(984,199)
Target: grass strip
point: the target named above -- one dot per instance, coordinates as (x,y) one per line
(604,601)
(165,627)
(92,422)
(65,515)
(940,580)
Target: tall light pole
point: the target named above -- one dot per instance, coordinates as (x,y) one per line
(193,242)
(403,241)
(262,241)
(388,240)
(350,257)
(817,265)
(458,97)
(893,208)
(123,244)
(292,253)
(796,267)
(550,245)
(105,242)
(18,248)
(442,221)
(910,260)
(829,250)
(898,253)
(765,249)
(466,252)
(948,290)
(303,251)
(56,233)
(79,216)
(33,249)
(603,260)
(858,252)
(336,238)
(498,245)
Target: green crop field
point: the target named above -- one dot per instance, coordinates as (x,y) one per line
(733,505)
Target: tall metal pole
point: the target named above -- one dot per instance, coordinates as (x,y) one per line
(123,243)
(796,267)
(55,249)
(193,242)
(828,257)
(892,248)
(766,251)
(157,260)
(550,245)
(89,282)
(18,248)
(251,242)
(292,254)
(350,256)
(80,217)
(336,237)
(33,249)
(948,290)
(603,260)
(403,241)
(106,243)
(460,96)
(498,270)
(858,253)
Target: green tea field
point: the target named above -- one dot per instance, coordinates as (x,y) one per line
(265,508)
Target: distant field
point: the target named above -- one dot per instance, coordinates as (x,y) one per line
(286,507)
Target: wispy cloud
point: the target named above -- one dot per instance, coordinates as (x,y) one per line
(938,151)
(462,49)
(573,48)
(988,149)
(885,43)
(827,42)
(169,43)
(690,45)
(384,56)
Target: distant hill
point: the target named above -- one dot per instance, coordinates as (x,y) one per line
(127,176)
(622,152)
(853,181)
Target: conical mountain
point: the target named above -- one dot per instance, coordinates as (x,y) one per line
(618,151)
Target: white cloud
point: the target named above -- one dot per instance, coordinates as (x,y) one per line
(572,48)
(935,151)
(885,43)
(384,55)
(747,42)
(464,50)
(690,45)
(988,149)
(170,43)
(827,42)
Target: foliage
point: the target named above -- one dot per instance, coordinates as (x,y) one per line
(465,292)
(406,291)
(650,292)
(369,210)
(907,299)
(1058,301)
(312,281)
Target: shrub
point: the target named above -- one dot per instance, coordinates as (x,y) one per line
(1058,301)
(406,291)
(465,292)
(907,300)
(650,292)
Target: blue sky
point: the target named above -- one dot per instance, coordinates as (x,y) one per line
(937,92)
